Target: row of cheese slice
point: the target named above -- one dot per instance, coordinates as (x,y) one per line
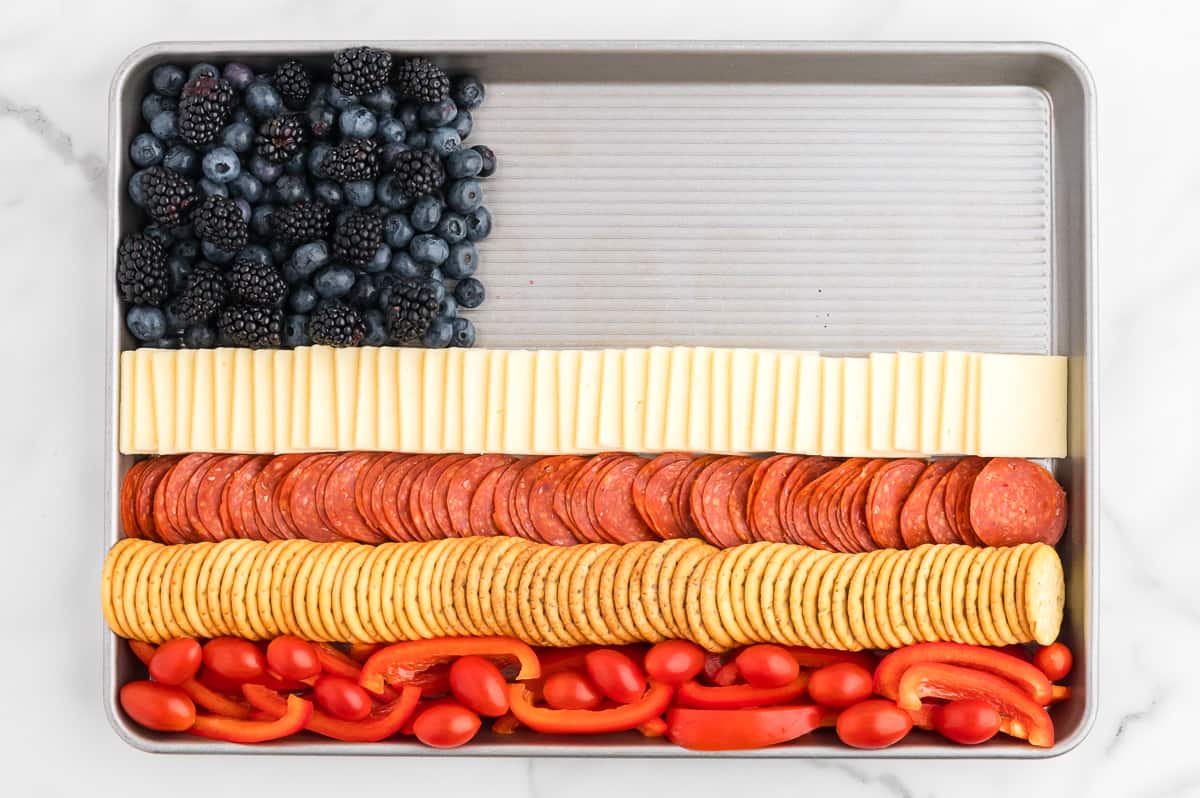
(562,401)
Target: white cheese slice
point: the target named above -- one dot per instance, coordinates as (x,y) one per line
(675,424)
(699,422)
(203,438)
(185,375)
(518,402)
(162,364)
(932,370)
(345,372)
(410,365)
(787,382)
(971,444)
(809,392)
(282,375)
(633,400)
(587,404)
(658,384)
(856,406)
(765,415)
(387,411)
(241,424)
(568,398)
(882,420)
(366,406)
(952,435)
(831,406)
(322,399)
(433,399)
(128,410)
(223,399)
(300,389)
(474,402)
(1023,406)
(742,366)
(906,417)
(262,368)
(452,423)
(610,431)
(545,402)
(496,390)
(719,394)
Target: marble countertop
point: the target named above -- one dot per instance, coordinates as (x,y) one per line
(56,60)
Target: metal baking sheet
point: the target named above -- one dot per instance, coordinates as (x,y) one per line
(847,197)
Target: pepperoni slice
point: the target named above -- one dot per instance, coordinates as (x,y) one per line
(483,503)
(394,498)
(885,498)
(421,524)
(189,508)
(935,511)
(502,511)
(129,486)
(854,506)
(266,512)
(547,474)
(710,500)
(578,493)
(239,499)
(914,524)
(642,480)
(763,501)
(957,501)
(739,498)
(560,502)
(520,498)
(433,493)
(368,491)
(147,488)
(795,501)
(460,492)
(615,513)
(210,492)
(681,494)
(298,494)
(660,507)
(1015,501)
(171,491)
(339,498)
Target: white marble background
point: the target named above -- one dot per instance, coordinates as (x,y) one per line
(56,58)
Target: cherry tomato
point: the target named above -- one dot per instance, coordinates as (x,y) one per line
(293,658)
(479,685)
(727,675)
(1053,660)
(446,726)
(968,721)
(840,685)
(176,661)
(570,690)
(160,707)
(234,658)
(873,724)
(617,676)
(766,665)
(342,697)
(674,661)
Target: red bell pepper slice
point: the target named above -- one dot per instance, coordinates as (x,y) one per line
(506,724)
(339,664)
(554,660)
(739,729)
(588,721)
(1022,717)
(739,696)
(383,722)
(655,727)
(922,718)
(727,675)
(422,662)
(143,651)
(820,657)
(231,730)
(361,652)
(1059,693)
(1021,673)
(201,695)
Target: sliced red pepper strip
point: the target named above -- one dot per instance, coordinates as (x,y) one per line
(922,718)
(727,675)
(655,727)
(339,664)
(829,716)
(739,729)
(256,731)
(417,661)
(383,722)
(739,696)
(1024,718)
(1059,693)
(820,657)
(1021,673)
(588,721)
(554,660)
(203,696)
(361,652)
(143,651)
(506,724)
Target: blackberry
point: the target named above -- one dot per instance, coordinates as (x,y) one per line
(361,70)
(419,172)
(167,196)
(251,325)
(293,82)
(422,79)
(300,223)
(202,296)
(255,283)
(204,108)
(219,221)
(412,307)
(280,137)
(358,237)
(353,159)
(142,270)
(336,324)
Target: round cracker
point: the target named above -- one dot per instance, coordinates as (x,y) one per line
(945,596)
(266,612)
(812,590)
(310,590)
(509,569)
(838,610)
(283,585)
(557,583)
(410,602)
(190,595)
(606,595)
(176,585)
(921,595)
(773,604)
(908,586)
(638,612)
(632,561)
(856,600)
(303,567)
(393,606)
(149,589)
(996,597)
(880,603)
(208,586)
(429,588)
(572,605)
(791,587)
(562,596)
(1018,593)
(870,583)
(522,610)
(700,609)
(368,594)
(1044,594)
(243,590)
(166,609)
(461,587)
(895,610)
(751,598)
(983,588)
(356,571)
(480,599)
(682,609)
(933,588)
(666,578)
(254,581)
(520,576)
(593,617)
(112,582)
(328,594)
(731,593)
(229,579)
(448,580)
(971,598)
(128,604)
(958,609)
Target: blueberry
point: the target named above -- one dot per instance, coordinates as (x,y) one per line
(166,125)
(463,260)
(291,275)
(377,332)
(318,95)
(469,293)
(181,160)
(329,192)
(403,265)
(160,233)
(464,333)
(464,163)
(244,207)
(392,130)
(188,249)
(363,294)
(176,324)
(444,140)
(315,156)
(479,224)
(390,194)
(438,287)
(390,152)
(168,80)
(239,75)
(489,160)
(333,281)
(425,213)
(146,322)
(238,137)
(200,336)
(168,342)
(155,104)
(383,101)
(241,116)
(182,232)
(417,139)
(383,257)
(321,120)
(435,275)
(290,189)
(264,170)
(295,331)
(463,124)
(258,254)
(302,298)
(146,150)
(358,122)
(136,195)
(221,165)
(447,308)
(359,193)
(311,256)
(385,284)
(263,101)
(215,255)
(436,114)
(438,335)
(409,116)
(429,249)
(464,195)
(467,91)
(248,186)
(260,220)
(452,228)
(397,232)
(203,69)
(211,189)
(339,100)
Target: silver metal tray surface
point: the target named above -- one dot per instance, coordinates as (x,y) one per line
(847,197)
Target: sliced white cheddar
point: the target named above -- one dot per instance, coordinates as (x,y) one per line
(345,373)
(787,381)
(433,399)
(675,425)
(568,396)
(699,422)
(127,410)
(545,402)
(658,379)
(497,378)
(185,375)
(223,398)
(145,435)
(952,434)
(856,406)
(474,402)
(587,408)
(882,420)
(718,401)
(972,435)
(765,416)
(633,400)
(366,407)
(831,406)
(300,405)
(283,369)
(932,365)
(610,429)
(322,399)
(518,402)
(387,411)
(809,392)
(241,423)
(1022,406)
(452,422)
(906,418)
(263,367)
(742,366)
(162,363)
(203,438)
(409,368)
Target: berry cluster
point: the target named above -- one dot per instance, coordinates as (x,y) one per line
(333,205)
